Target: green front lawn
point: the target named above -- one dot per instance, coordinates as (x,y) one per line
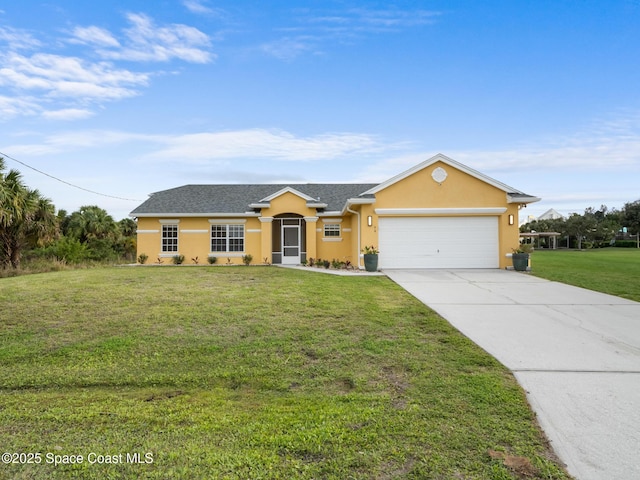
(609,270)
(249,373)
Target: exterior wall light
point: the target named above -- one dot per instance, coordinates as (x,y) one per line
(369,220)
(510,219)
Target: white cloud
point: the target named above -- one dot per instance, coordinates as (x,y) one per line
(59,86)
(68,114)
(289,48)
(67,142)
(204,147)
(200,7)
(317,28)
(261,144)
(72,77)
(94,36)
(18,39)
(591,151)
(11,107)
(149,42)
(391,19)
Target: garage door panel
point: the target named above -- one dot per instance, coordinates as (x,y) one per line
(438,242)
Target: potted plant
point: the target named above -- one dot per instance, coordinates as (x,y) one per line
(520,257)
(370,258)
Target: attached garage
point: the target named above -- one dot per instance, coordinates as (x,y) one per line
(439,242)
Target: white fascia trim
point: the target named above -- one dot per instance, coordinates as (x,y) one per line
(194,231)
(523,199)
(317,205)
(259,205)
(440,211)
(147,231)
(225,221)
(333,213)
(356,201)
(360,201)
(194,215)
(449,161)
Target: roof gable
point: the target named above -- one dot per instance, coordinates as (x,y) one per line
(282,191)
(512,192)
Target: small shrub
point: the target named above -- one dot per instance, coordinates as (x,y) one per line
(626,244)
(326,263)
(195,260)
(142,258)
(337,264)
(160,261)
(311,262)
(246,259)
(69,250)
(178,259)
(304,263)
(212,260)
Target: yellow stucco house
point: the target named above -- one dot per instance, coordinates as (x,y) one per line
(438,214)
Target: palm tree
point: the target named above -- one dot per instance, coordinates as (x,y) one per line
(25,217)
(92,223)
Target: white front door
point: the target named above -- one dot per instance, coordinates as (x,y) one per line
(290,244)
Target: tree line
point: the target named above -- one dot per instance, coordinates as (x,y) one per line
(29,224)
(594,228)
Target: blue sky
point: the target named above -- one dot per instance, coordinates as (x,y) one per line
(130,97)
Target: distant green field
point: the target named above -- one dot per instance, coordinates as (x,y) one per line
(609,270)
(249,373)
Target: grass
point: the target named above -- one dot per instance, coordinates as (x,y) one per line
(250,373)
(609,270)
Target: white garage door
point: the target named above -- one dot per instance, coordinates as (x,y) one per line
(438,242)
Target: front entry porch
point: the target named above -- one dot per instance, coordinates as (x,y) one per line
(289,239)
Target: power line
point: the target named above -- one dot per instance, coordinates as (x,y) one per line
(67,183)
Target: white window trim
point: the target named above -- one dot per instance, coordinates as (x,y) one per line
(228,253)
(162,238)
(339,230)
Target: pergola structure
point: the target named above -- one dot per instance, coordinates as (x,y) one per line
(532,236)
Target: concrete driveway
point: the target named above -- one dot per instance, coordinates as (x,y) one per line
(574,351)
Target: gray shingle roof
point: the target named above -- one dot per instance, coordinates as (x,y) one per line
(207,199)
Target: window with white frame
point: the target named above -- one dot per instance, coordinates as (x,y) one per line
(170,238)
(227,238)
(331,229)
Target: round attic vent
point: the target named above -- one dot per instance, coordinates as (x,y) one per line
(439,175)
